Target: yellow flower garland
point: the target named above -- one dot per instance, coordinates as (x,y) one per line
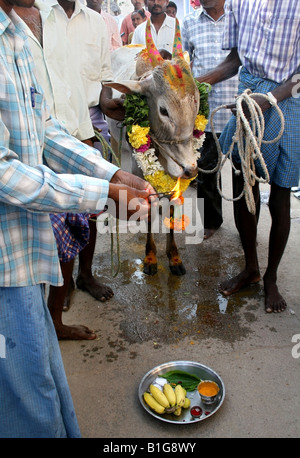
(200,122)
(163,182)
(152,170)
(138,136)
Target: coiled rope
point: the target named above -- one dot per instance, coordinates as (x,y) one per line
(248,137)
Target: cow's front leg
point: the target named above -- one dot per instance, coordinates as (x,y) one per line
(150,260)
(175,263)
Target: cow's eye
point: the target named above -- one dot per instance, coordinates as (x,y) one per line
(163,111)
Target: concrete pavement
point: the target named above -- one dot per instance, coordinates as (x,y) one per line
(154,320)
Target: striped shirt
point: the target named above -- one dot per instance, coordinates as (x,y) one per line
(267,36)
(37,158)
(202,38)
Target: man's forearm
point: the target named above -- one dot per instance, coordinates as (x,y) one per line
(105,96)
(289,88)
(225,70)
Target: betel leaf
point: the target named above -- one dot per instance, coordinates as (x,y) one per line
(188,381)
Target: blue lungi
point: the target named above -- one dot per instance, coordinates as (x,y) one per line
(283,157)
(35,400)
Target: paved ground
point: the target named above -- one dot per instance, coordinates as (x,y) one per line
(164,318)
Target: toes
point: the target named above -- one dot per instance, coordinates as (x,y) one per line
(269,309)
(276,308)
(97,290)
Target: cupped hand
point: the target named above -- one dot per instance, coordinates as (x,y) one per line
(125,201)
(261,101)
(123,177)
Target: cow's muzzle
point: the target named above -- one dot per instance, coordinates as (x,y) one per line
(189,172)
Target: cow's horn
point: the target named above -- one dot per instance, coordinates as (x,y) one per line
(177,46)
(154,56)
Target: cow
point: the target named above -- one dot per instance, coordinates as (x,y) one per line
(173,100)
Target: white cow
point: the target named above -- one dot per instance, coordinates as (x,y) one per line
(173,100)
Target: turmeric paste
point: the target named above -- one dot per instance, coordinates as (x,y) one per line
(208,389)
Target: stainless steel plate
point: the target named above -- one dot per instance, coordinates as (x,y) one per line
(201,371)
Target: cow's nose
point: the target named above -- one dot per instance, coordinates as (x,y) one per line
(189,172)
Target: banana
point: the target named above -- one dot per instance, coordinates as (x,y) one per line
(170,394)
(159,396)
(177,411)
(187,403)
(180,395)
(153,404)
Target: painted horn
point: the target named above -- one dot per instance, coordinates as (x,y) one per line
(177,45)
(153,54)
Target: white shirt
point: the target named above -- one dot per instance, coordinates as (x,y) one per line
(77,57)
(164,39)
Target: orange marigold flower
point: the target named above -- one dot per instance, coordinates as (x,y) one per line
(178,224)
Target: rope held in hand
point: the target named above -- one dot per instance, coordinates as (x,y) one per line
(248,137)
(106,148)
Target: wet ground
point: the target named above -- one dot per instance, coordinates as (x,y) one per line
(173,308)
(153,320)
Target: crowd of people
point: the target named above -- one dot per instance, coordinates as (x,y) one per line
(54,181)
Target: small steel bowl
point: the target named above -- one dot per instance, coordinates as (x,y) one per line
(204,398)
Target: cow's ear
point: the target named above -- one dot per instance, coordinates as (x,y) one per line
(126,87)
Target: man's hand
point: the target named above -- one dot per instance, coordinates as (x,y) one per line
(123,188)
(262,102)
(123,177)
(128,201)
(113,108)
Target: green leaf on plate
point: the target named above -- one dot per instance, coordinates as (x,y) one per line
(188,381)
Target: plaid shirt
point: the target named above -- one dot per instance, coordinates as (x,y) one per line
(202,38)
(32,146)
(267,35)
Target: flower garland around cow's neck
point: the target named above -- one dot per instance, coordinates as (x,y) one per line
(138,128)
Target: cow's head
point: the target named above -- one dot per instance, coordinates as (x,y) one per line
(173,100)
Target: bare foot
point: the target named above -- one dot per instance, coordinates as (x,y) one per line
(242,280)
(94,288)
(208,233)
(274,302)
(75,332)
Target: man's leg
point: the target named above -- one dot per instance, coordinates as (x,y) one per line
(279,205)
(56,300)
(246,224)
(207,187)
(35,398)
(85,279)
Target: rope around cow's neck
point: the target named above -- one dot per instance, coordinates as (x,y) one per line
(248,137)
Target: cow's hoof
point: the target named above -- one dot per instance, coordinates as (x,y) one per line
(150,269)
(177,269)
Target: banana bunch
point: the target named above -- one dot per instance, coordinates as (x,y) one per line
(167,400)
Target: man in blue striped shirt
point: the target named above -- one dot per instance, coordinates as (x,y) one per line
(264,37)
(43,170)
(202,33)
